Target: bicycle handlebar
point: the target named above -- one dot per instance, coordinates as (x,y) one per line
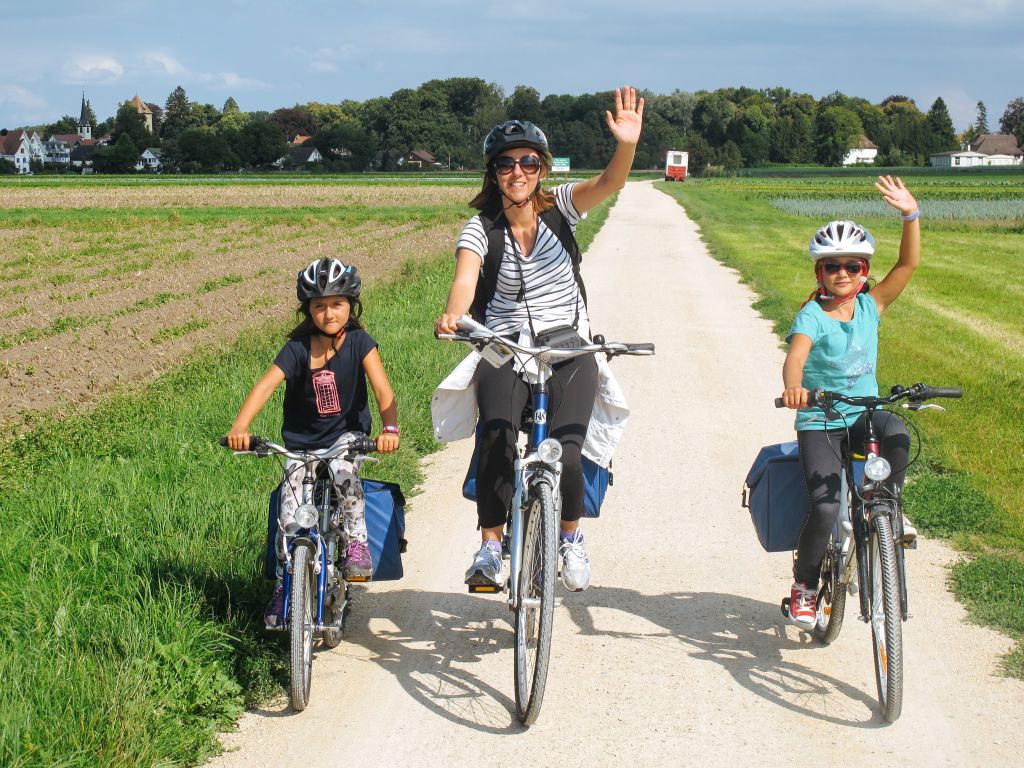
(916,393)
(259,446)
(478,335)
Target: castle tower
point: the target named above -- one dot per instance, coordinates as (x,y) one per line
(84,129)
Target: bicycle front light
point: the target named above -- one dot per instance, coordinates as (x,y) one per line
(549,451)
(305,516)
(876,468)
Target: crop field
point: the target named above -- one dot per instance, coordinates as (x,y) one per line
(130,332)
(102,285)
(959,323)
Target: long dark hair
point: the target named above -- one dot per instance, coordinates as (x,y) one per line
(489,197)
(307,327)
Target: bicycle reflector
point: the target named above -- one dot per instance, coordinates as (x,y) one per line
(549,451)
(876,468)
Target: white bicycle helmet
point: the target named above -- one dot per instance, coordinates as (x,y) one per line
(842,238)
(327,277)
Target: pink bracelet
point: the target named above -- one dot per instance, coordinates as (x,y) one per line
(392,430)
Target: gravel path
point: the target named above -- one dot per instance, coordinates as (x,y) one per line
(678,653)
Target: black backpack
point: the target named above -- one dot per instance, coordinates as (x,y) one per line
(495,224)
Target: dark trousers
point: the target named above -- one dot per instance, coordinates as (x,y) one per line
(820,453)
(501,396)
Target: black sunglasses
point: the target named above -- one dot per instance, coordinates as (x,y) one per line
(851,267)
(529,164)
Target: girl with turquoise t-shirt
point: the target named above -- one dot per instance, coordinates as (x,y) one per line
(833,345)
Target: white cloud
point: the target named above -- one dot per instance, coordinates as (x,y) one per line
(230,80)
(17,96)
(92,68)
(323,66)
(165,63)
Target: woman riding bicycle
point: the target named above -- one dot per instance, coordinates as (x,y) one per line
(535,288)
(833,345)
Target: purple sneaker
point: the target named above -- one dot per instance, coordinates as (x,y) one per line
(275,608)
(357,562)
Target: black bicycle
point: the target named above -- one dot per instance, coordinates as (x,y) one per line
(867,541)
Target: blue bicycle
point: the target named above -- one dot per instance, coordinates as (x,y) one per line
(316,598)
(532,527)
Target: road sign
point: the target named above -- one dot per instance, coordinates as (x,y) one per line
(560,165)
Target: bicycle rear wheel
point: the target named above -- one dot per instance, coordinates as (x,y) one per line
(534,616)
(831,595)
(886,617)
(301,624)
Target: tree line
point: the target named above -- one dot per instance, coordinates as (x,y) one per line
(728,127)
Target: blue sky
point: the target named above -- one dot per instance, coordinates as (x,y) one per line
(273,54)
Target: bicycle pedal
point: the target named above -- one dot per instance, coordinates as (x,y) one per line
(357,579)
(912,544)
(482,588)
(785,607)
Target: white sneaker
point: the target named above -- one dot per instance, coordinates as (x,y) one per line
(486,570)
(909,531)
(575,563)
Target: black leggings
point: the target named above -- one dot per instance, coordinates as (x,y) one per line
(819,457)
(501,396)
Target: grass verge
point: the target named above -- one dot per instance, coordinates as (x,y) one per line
(953,327)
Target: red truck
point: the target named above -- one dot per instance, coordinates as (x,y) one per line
(675,165)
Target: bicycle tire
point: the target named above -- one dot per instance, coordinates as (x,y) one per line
(301,624)
(534,616)
(831,599)
(886,618)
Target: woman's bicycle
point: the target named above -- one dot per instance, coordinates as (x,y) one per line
(316,598)
(865,553)
(533,520)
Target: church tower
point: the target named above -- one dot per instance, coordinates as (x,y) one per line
(84,129)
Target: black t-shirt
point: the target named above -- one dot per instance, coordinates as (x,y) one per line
(320,405)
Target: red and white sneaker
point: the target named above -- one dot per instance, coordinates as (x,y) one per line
(803,609)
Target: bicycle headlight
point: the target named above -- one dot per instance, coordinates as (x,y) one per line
(549,451)
(305,516)
(876,468)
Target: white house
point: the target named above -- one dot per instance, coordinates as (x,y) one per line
(149,160)
(863,154)
(14,146)
(990,149)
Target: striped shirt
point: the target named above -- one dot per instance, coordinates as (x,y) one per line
(551,290)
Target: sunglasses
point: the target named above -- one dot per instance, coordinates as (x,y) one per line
(851,267)
(529,164)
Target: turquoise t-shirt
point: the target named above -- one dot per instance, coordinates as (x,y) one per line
(843,358)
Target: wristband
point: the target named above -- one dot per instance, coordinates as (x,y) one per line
(391,431)
(913,216)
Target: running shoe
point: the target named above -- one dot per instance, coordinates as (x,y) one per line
(575,563)
(486,568)
(802,605)
(273,615)
(357,562)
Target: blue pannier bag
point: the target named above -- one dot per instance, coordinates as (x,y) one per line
(776,495)
(596,480)
(385,528)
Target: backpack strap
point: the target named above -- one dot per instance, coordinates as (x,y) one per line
(495,224)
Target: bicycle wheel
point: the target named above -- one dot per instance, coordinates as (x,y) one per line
(536,610)
(831,595)
(335,612)
(886,618)
(301,623)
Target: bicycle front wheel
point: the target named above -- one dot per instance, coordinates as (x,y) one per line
(536,610)
(301,624)
(886,618)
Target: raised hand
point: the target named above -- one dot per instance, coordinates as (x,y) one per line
(625,124)
(896,195)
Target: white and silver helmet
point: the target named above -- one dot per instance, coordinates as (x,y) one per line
(327,277)
(842,238)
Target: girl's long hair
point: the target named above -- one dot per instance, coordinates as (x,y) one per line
(307,327)
(489,197)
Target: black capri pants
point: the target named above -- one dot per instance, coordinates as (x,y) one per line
(819,457)
(501,396)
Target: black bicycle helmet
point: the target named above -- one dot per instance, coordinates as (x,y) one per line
(512,134)
(327,277)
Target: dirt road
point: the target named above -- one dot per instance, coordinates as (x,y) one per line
(678,653)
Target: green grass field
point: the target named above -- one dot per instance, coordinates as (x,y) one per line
(960,323)
(131,561)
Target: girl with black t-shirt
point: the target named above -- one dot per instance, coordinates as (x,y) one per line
(325,366)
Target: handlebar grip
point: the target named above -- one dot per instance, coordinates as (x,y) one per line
(643,347)
(780,403)
(950,392)
(255,442)
(364,445)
